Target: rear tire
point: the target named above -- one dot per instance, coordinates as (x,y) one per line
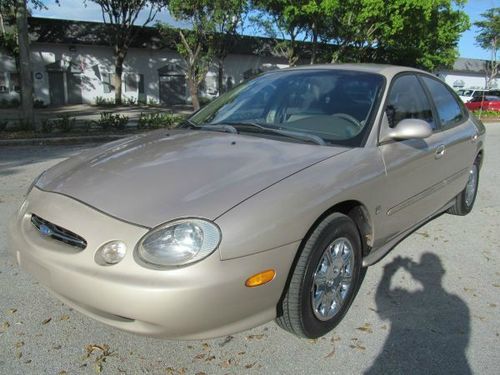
(325,280)
(464,202)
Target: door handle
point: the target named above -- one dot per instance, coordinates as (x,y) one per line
(474,138)
(440,151)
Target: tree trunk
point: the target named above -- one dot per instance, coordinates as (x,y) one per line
(193,90)
(119,59)
(25,63)
(314,44)
(220,76)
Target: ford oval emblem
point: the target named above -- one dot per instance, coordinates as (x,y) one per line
(45,230)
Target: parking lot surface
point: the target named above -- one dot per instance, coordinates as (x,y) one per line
(439,313)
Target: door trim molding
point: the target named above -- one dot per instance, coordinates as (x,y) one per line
(424,194)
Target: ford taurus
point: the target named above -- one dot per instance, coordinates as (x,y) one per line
(268,203)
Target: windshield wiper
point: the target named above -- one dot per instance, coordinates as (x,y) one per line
(287,133)
(225,128)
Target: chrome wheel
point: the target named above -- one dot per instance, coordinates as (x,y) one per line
(332,279)
(470,189)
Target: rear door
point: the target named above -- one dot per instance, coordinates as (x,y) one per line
(457,133)
(414,168)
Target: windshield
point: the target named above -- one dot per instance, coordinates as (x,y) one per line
(335,106)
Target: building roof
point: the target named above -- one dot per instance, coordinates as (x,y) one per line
(49,30)
(466,65)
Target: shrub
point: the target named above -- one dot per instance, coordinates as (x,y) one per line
(87,126)
(158,120)
(23,126)
(12,103)
(153,102)
(204,100)
(38,103)
(47,126)
(486,113)
(65,123)
(3,125)
(110,121)
(103,102)
(130,101)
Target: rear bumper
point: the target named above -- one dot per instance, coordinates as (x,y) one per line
(206,299)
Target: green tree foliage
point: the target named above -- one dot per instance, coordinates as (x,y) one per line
(196,46)
(425,34)
(227,17)
(8,30)
(14,39)
(291,20)
(214,25)
(121,16)
(422,33)
(283,21)
(488,38)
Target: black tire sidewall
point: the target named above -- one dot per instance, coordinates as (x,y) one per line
(465,209)
(339,227)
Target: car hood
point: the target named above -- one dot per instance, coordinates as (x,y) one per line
(154,178)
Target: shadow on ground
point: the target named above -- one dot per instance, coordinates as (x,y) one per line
(429,328)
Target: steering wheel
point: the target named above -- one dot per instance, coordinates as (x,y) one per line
(349,118)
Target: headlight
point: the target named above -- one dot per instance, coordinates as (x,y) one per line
(34,183)
(180,242)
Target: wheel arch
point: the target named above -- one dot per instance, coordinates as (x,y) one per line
(480,157)
(355,210)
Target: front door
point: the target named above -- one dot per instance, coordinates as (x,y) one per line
(415,167)
(56,88)
(172,89)
(74,88)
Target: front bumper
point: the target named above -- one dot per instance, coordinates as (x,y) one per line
(202,300)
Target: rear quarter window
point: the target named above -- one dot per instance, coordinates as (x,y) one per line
(450,111)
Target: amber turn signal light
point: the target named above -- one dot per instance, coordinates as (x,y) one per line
(260,278)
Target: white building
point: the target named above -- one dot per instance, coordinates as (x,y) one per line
(72,64)
(467,74)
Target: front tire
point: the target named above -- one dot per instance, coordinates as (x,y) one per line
(325,280)
(465,200)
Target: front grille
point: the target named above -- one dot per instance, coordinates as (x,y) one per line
(48,229)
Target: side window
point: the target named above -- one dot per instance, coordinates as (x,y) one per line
(407,99)
(448,108)
(107,82)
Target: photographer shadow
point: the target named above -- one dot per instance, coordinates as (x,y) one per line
(429,328)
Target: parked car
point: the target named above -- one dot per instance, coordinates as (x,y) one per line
(486,103)
(268,203)
(468,94)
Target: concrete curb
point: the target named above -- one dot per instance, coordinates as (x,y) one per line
(63,140)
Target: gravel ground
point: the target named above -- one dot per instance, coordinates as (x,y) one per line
(431,306)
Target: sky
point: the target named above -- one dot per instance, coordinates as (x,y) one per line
(76,10)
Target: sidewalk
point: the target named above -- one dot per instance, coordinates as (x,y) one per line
(85,112)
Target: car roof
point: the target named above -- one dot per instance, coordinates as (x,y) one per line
(383,69)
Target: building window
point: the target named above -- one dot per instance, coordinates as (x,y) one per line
(141,83)
(131,84)
(15,82)
(3,82)
(107,82)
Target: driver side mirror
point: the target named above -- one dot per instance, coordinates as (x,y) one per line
(408,129)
